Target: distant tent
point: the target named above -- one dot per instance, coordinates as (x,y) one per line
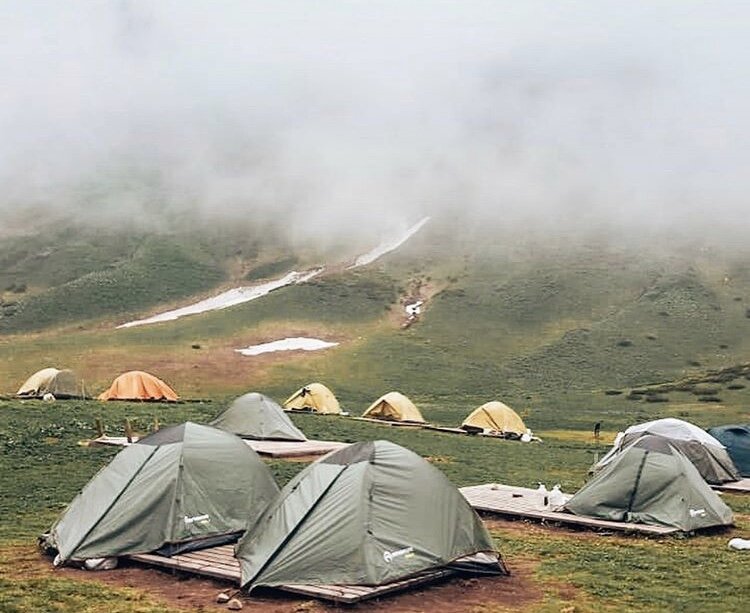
(394,406)
(369,514)
(495,417)
(181,488)
(60,383)
(139,385)
(315,397)
(255,416)
(703,450)
(651,482)
(736,439)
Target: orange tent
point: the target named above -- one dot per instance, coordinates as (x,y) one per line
(138,385)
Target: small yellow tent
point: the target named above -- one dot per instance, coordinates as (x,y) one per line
(394,406)
(315,397)
(138,385)
(494,417)
(59,383)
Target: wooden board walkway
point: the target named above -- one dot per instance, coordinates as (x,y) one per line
(294,449)
(735,487)
(385,422)
(220,563)
(271,449)
(522,502)
(112,441)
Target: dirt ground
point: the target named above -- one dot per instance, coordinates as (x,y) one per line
(459,595)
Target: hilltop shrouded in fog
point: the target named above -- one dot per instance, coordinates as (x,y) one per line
(351,115)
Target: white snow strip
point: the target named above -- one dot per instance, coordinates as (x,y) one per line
(387,246)
(232,297)
(287,344)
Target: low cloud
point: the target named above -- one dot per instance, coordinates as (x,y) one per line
(351,117)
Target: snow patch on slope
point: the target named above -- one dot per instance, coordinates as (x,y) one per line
(232,297)
(387,246)
(287,344)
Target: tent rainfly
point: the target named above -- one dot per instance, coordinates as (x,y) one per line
(736,439)
(703,450)
(257,417)
(59,383)
(394,406)
(180,488)
(495,417)
(139,385)
(316,398)
(651,482)
(369,514)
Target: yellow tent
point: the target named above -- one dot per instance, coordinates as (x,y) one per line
(494,417)
(394,406)
(59,383)
(138,385)
(315,397)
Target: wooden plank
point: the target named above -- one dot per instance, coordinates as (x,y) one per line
(350,594)
(385,422)
(219,563)
(116,441)
(294,449)
(522,502)
(735,487)
(179,562)
(445,429)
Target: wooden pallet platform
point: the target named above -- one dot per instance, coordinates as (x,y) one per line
(445,429)
(385,422)
(514,501)
(112,441)
(735,487)
(220,563)
(294,449)
(311,412)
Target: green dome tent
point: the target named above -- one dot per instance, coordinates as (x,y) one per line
(707,454)
(369,514)
(181,488)
(59,383)
(259,418)
(651,482)
(736,439)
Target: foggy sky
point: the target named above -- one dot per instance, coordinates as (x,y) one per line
(358,115)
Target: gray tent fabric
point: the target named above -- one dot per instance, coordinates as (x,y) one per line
(736,439)
(183,485)
(651,482)
(60,383)
(257,417)
(707,454)
(369,514)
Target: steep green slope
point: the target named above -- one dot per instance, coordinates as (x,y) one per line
(158,271)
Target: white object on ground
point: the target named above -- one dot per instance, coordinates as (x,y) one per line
(287,344)
(542,497)
(232,297)
(556,497)
(387,246)
(414,308)
(100,564)
(738,543)
(49,397)
(527,436)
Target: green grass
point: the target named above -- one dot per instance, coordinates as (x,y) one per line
(42,467)
(541,327)
(157,272)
